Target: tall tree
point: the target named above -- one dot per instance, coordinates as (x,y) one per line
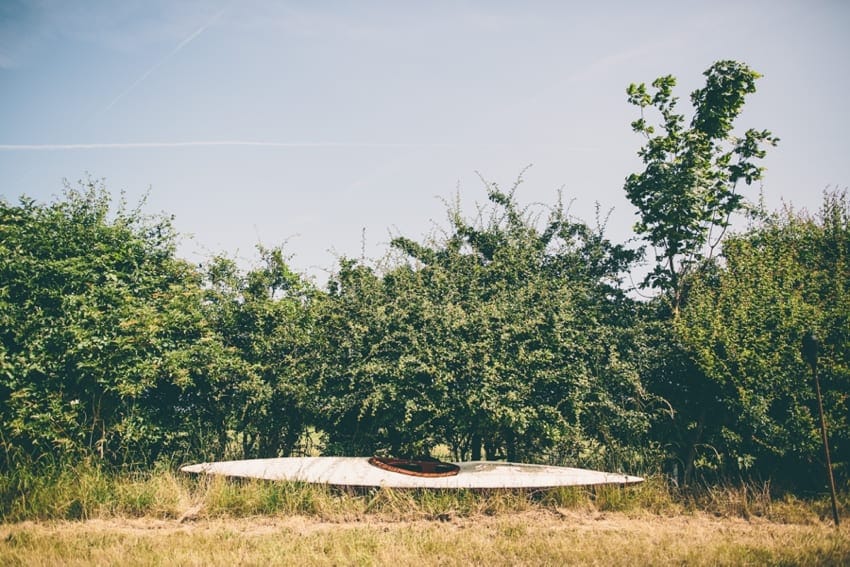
(505,337)
(264,316)
(743,324)
(688,189)
(104,349)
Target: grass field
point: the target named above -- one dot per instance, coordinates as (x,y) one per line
(83,516)
(529,538)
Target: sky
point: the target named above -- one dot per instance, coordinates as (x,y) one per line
(330,127)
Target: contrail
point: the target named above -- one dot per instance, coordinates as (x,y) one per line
(173,52)
(211,143)
(259,144)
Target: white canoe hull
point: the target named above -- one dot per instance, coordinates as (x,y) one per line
(356,471)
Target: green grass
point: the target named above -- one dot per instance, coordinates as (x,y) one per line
(86,491)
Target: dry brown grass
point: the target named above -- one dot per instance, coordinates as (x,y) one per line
(534,537)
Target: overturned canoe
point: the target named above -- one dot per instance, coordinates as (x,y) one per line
(394,473)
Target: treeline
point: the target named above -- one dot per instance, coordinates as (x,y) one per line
(508,335)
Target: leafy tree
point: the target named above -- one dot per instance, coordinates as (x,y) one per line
(501,336)
(103,347)
(264,315)
(743,325)
(359,403)
(689,187)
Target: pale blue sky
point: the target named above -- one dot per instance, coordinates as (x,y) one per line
(305,122)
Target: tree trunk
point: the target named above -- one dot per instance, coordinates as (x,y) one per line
(510,446)
(692,452)
(476,447)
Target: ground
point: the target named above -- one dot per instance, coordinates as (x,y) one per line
(551,537)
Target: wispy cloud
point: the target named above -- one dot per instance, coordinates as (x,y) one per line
(129,26)
(186,41)
(252,143)
(189,144)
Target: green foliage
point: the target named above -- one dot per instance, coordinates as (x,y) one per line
(103,346)
(375,392)
(508,335)
(502,335)
(743,325)
(264,318)
(688,189)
